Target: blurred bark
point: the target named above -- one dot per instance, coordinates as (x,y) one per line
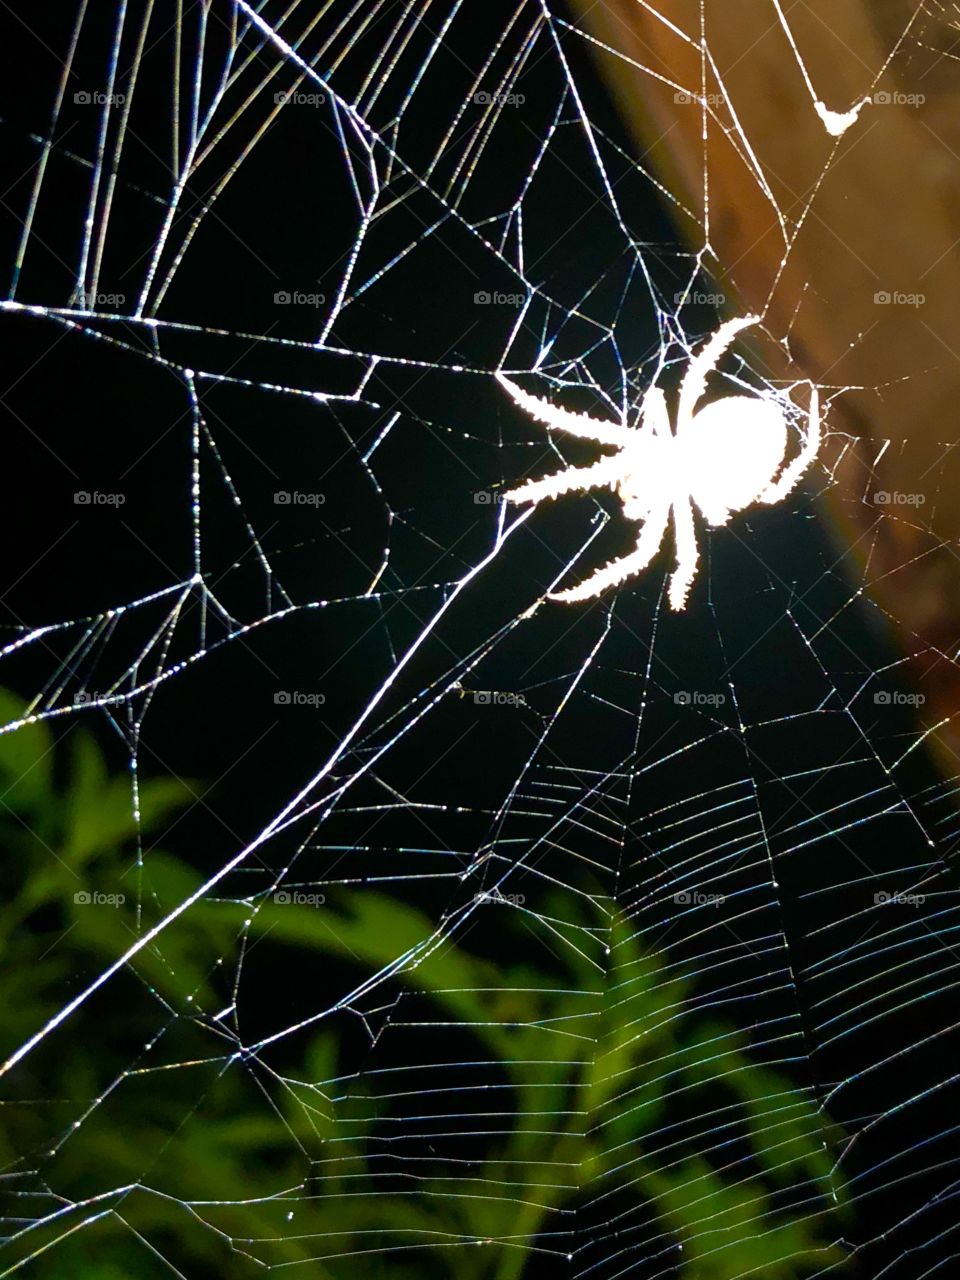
(884,219)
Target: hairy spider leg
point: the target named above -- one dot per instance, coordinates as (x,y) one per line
(648,544)
(685,537)
(703,363)
(575,424)
(811,447)
(656,415)
(605,472)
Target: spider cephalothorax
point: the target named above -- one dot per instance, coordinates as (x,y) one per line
(721,459)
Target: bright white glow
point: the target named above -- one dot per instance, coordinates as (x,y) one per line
(721,459)
(837,123)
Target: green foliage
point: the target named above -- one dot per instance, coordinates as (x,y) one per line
(183,1123)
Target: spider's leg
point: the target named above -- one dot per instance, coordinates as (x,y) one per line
(656,415)
(575,424)
(716,516)
(648,544)
(607,471)
(687,552)
(811,447)
(703,363)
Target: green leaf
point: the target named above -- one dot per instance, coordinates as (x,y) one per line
(26,758)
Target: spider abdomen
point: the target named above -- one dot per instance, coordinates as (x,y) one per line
(732,450)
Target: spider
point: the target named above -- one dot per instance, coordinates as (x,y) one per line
(722,458)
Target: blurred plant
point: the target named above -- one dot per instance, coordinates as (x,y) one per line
(169,1156)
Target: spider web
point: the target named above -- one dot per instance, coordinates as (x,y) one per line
(594,941)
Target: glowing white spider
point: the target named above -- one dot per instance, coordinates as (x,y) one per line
(722,459)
